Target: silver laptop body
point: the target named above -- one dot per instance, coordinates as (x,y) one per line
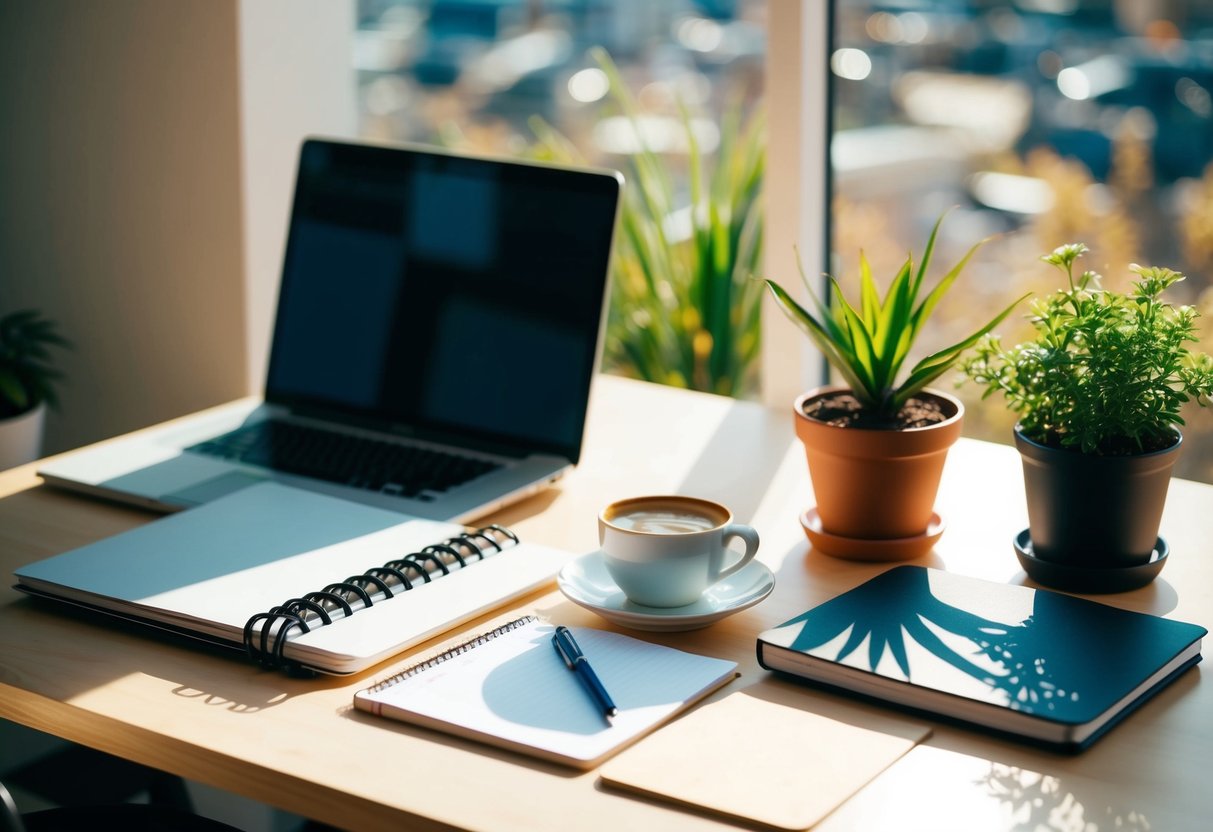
(434,310)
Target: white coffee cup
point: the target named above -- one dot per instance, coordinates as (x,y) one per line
(666,551)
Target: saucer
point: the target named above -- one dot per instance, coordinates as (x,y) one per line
(587,583)
(858,548)
(1089,579)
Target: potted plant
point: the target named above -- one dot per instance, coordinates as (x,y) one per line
(1098,395)
(27,383)
(876,447)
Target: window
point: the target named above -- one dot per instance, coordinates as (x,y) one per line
(1045,122)
(545,79)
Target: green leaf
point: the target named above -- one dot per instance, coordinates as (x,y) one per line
(869,295)
(13,391)
(863,356)
(936,364)
(895,335)
(819,335)
(832,322)
(692,292)
(924,310)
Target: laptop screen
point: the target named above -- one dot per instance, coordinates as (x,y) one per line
(455,298)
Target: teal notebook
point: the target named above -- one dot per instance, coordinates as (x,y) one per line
(1035,664)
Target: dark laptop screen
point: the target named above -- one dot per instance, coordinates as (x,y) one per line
(459,297)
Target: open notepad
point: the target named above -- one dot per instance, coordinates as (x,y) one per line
(509,688)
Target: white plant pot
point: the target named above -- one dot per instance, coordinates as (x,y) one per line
(21,437)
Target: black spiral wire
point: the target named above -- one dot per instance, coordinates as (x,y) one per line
(266,633)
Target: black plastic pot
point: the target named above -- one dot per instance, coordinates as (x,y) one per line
(1094,511)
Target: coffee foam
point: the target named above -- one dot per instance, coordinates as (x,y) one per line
(665,516)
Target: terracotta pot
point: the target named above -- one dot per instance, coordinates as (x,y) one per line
(876,484)
(1088,510)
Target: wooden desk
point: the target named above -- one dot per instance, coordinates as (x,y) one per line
(297,744)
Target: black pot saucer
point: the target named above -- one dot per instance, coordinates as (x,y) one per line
(1089,579)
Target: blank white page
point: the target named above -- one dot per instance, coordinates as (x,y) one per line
(515,691)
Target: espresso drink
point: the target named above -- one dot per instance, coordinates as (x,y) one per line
(659,520)
(666,550)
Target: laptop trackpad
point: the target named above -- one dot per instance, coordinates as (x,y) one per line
(208,490)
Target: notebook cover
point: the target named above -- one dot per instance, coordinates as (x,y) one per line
(205,571)
(761,757)
(1030,662)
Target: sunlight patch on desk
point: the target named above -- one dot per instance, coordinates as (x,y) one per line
(782,500)
(922,785)
(754,439)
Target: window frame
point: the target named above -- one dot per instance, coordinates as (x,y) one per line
(797,185)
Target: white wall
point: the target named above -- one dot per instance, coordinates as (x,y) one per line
(297,79)
(119,213)
(146,150)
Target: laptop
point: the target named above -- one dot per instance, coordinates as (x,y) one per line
(439,323)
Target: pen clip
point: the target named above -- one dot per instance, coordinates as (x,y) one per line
(562,639)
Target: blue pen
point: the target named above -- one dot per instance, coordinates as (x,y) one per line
(563,641)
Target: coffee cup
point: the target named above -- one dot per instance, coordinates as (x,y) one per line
(666,551)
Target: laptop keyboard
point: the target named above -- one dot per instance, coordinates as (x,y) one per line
(356,461)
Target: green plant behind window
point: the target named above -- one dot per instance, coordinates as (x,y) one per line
(684,310)
(26,378)
(1107,372)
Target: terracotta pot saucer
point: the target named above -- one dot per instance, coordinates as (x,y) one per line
(854,548)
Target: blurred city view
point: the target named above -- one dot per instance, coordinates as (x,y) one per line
(1040,122)
(1045,122)
(478,72)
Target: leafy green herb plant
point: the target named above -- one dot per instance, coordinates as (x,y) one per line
(1107,372)
(868,342)
(26,377)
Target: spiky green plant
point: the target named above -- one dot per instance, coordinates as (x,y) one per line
(26,377)
(868,345)
(684,311)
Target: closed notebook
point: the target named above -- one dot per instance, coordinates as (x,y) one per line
(1032,663)
(511,689)
(761,756)
(295,578)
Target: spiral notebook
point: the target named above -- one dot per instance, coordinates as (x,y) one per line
(509,688)
(296,579)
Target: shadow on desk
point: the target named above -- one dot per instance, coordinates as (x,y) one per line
(107,649)
(452,741)
(1156,598)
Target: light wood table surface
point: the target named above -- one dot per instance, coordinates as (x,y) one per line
(299,745)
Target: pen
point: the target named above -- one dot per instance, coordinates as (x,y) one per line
(563,641)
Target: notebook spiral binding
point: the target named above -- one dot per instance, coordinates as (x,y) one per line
(450,653)
(265,643)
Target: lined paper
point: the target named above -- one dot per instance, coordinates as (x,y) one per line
(514,690)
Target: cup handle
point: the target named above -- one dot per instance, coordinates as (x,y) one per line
(747,534)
